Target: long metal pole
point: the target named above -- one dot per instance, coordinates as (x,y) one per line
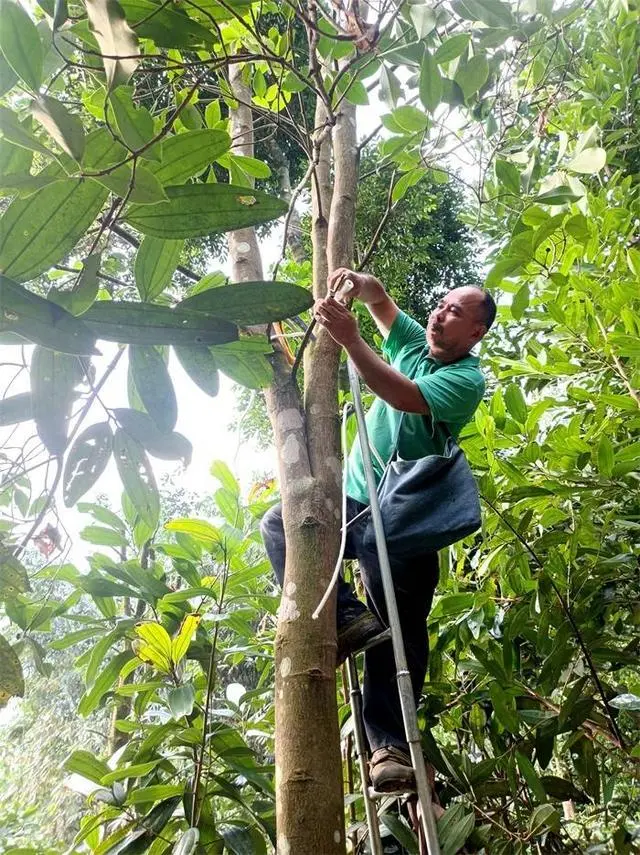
(355,696)
(403,677)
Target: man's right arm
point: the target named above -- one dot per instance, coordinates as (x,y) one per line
(369,291)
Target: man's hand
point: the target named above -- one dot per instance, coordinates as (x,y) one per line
(363,286)
(337,320)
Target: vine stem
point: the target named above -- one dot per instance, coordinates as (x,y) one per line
(56,480)
(569,614)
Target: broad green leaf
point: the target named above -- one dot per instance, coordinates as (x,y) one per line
(452,48)
(625,345)
(86,764)
(20,43)
(13,577)
(152,794)
(151,376)
(181,642)
(251,165)
(247,303)
(103,683)
(245,362)
(8,77)
(589,161)
(135,770)
(454,827)
(200,365)
(42,321)
(493,13)
(401,831)
(410,118)
(430,82)
(423,18)
(508,175)
(14,159)
(186,155)
(60,14)
(605,456)
(390,89)
(242,839)
(137,477)
(53,378)
(85,288)
(143,323)
(141,186)
(543,817)
(166,446)
(562,195)
(504,708)
(86,461)
(64,127)
(520,301)
(115,37)
(224,475)
(195,210)
(187,843)
(198,528)
(103,515)
(155,264)
(19,133)
(37,232)
(515,402)
(181,700)
(472,75)
(15,408)
(409,179)
(169,26)
(528,772)
(135,124)
(156,636)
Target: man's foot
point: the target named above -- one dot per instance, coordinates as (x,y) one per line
(360,632)
(391,770)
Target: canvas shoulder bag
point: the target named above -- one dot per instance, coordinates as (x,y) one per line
(428,503)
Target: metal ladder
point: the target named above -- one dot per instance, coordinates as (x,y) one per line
(403,677)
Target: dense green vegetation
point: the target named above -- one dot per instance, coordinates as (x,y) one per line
(114,178)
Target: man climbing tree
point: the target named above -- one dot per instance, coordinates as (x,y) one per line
(430,387)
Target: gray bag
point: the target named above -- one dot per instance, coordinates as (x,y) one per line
(426,504)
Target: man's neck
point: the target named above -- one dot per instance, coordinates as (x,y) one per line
(447,357)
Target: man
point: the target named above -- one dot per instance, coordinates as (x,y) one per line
(428,380)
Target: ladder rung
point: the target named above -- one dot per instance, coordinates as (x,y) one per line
(394,794)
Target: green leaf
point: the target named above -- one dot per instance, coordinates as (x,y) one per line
(520,301)
(85,288)
(401,831)
(13,577)
(196,210)
(152,794)
(243,839)
(137,477)
(15,408)
(197,528)
(200,365)
(53,378)
(423,19)
(508,175)
(528,772)
(251,165)
(186,155)
(134,123)
(86,461)
(20,43)
(151,377)
(245,362)
(221,472)
(11,678)
(562,195)
(169,26)
(24,185)
(516,403)
(103,683)
(19,133)
(166,446)
(452,48)
(8,77)
(141,186)
(115,37)
(472,75)
(86,764)
(390,89)
(247,303)
(187,843)
(493,13)
(504,708)
(144,323)
(64,127)
(605,456)
(155,264)
(410,118)
(589,161)
(181,700)
(60,14)
(181,642)
(454,827)
(42,321)
(406,181)
(430,82)
(100,536)
(41,230)
(136,770)
(542,818)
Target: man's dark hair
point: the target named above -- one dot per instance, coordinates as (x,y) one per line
(487,307)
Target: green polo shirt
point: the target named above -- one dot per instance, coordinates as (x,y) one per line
(452,391)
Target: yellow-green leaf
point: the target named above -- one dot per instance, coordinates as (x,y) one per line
(181,642)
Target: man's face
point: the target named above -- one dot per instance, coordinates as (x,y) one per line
(456,324)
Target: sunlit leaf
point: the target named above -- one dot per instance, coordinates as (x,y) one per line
(63,126)
(589,161)
(135,123)
(180,643)
(188,154)
(86,764)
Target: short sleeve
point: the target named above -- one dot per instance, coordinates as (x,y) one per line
(452,394)
(404,332)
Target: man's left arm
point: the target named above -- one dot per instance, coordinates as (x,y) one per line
(384,381)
